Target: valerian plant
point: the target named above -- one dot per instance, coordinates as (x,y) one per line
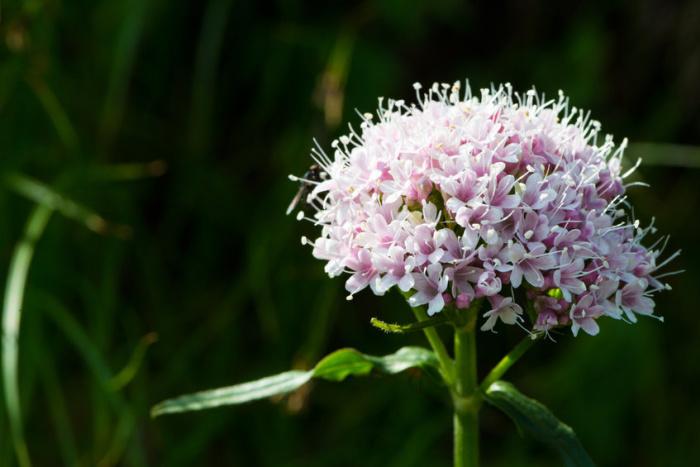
(482,210)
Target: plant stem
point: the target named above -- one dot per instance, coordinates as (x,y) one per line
(466,397)
(446,363)
(506,362)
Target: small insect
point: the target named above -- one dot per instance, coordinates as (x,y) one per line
(312,176)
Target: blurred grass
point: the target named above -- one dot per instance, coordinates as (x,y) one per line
(228,95)
(11,319)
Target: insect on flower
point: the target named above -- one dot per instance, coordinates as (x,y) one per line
(313,176)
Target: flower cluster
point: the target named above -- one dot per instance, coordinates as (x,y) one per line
(463,197)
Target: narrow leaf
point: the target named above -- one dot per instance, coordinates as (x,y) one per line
(534,418)
(335,367)
(282,383)
(48,197)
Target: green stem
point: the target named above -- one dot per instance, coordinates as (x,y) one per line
(12,313)
(446,363)
(466,397)
(506,362)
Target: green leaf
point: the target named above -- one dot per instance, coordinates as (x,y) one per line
(335,367)
(534,418)
(282,383)
(345,362)
(341,364)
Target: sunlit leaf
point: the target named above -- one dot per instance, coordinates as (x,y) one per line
(335,367)
(341,364)
(534,418)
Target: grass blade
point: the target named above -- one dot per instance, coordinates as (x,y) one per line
(56,113)
(204,81)
(126,48)
(57,407)
(96,363)
(11,317)
(127,373)
(46,196)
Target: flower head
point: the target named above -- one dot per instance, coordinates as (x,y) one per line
(463,196)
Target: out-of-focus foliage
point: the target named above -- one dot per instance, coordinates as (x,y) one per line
(228,95)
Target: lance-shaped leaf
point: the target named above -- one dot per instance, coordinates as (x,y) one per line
(534,418)
(335,367)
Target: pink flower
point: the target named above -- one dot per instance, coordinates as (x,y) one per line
(604,291)
(497,193)
(537,194)
(423,245)
(632,300)
(397,268)
(583,315)
(429,286)
(566,277)
(530,264)
(533,227)
(504,309)
(461,189)
(364,272)
(467,196)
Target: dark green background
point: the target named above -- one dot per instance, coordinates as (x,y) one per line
(229,94)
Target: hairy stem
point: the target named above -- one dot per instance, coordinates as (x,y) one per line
(446,363)
(466,397)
